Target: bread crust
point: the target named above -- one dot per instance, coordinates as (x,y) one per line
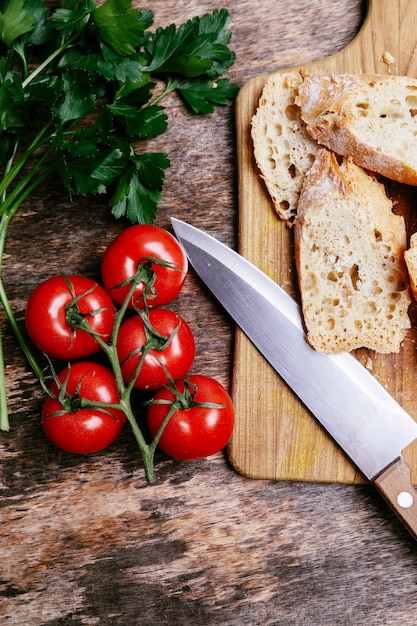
(368,117)
(349,250)
(410,257)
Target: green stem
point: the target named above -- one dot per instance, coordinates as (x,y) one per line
(19,194)
(4,413)
(9,166)
(4,410)
(9,205)
(171,85)
(13,171)
(110,349)
(25,191)
(49,60)
(155,440)
(147,452)
(37,370)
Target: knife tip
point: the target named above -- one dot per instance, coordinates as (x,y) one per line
(175,222)
(178,226)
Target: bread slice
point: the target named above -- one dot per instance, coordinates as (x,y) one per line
(370,118)
(410,257)
(349,250)
(283,149)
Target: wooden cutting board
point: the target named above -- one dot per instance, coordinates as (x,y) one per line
(275,436)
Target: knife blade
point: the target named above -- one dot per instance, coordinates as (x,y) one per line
(360,415)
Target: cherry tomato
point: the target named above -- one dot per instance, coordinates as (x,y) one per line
(129,250)
(49,309)
(170,342)
(85,430)
(197,431)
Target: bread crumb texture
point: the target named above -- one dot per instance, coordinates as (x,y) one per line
(283,149)
(370,118)
(410,257)
(350,259)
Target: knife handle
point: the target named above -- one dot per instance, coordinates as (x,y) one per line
(395,485)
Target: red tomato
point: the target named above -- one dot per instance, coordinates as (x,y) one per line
(130,248)
(176,355)
(85,430)
(197,431)
(48,311)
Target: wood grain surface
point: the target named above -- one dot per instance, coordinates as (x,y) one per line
(84,541)
(294,444)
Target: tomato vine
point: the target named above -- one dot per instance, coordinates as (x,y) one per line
(81,415)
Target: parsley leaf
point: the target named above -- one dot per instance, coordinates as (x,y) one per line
(106,62)
(204,94)
(86,163)
(67,20)
(197,48)
(144,123)
(115,67)
(79,97)
(166,47)
(139,189)
(121,27)
(14,114)
(14,21)
(41,31)
(103,166)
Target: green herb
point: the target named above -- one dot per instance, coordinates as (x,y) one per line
(79,85)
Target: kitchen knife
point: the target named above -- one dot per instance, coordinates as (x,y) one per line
(360,415)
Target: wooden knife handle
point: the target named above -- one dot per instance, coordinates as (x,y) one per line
(395,485)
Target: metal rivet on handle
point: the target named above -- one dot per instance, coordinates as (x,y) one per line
(405,499)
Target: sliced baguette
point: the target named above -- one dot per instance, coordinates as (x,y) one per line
(410,257)
(349,250)
(370,118)
(283,149)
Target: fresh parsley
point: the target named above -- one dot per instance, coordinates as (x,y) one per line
(79,86)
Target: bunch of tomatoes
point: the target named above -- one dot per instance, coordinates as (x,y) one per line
(147,347)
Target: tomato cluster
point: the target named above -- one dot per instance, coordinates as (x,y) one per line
(149,348)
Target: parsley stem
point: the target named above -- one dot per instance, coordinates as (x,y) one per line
(4,413)
(8,207)
(9,166)
(5,220)
(16,330)
(13,170)
(171,85)
(15,198)
(23,190)
(40,68)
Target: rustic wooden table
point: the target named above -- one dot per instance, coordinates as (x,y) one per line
(84,540)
